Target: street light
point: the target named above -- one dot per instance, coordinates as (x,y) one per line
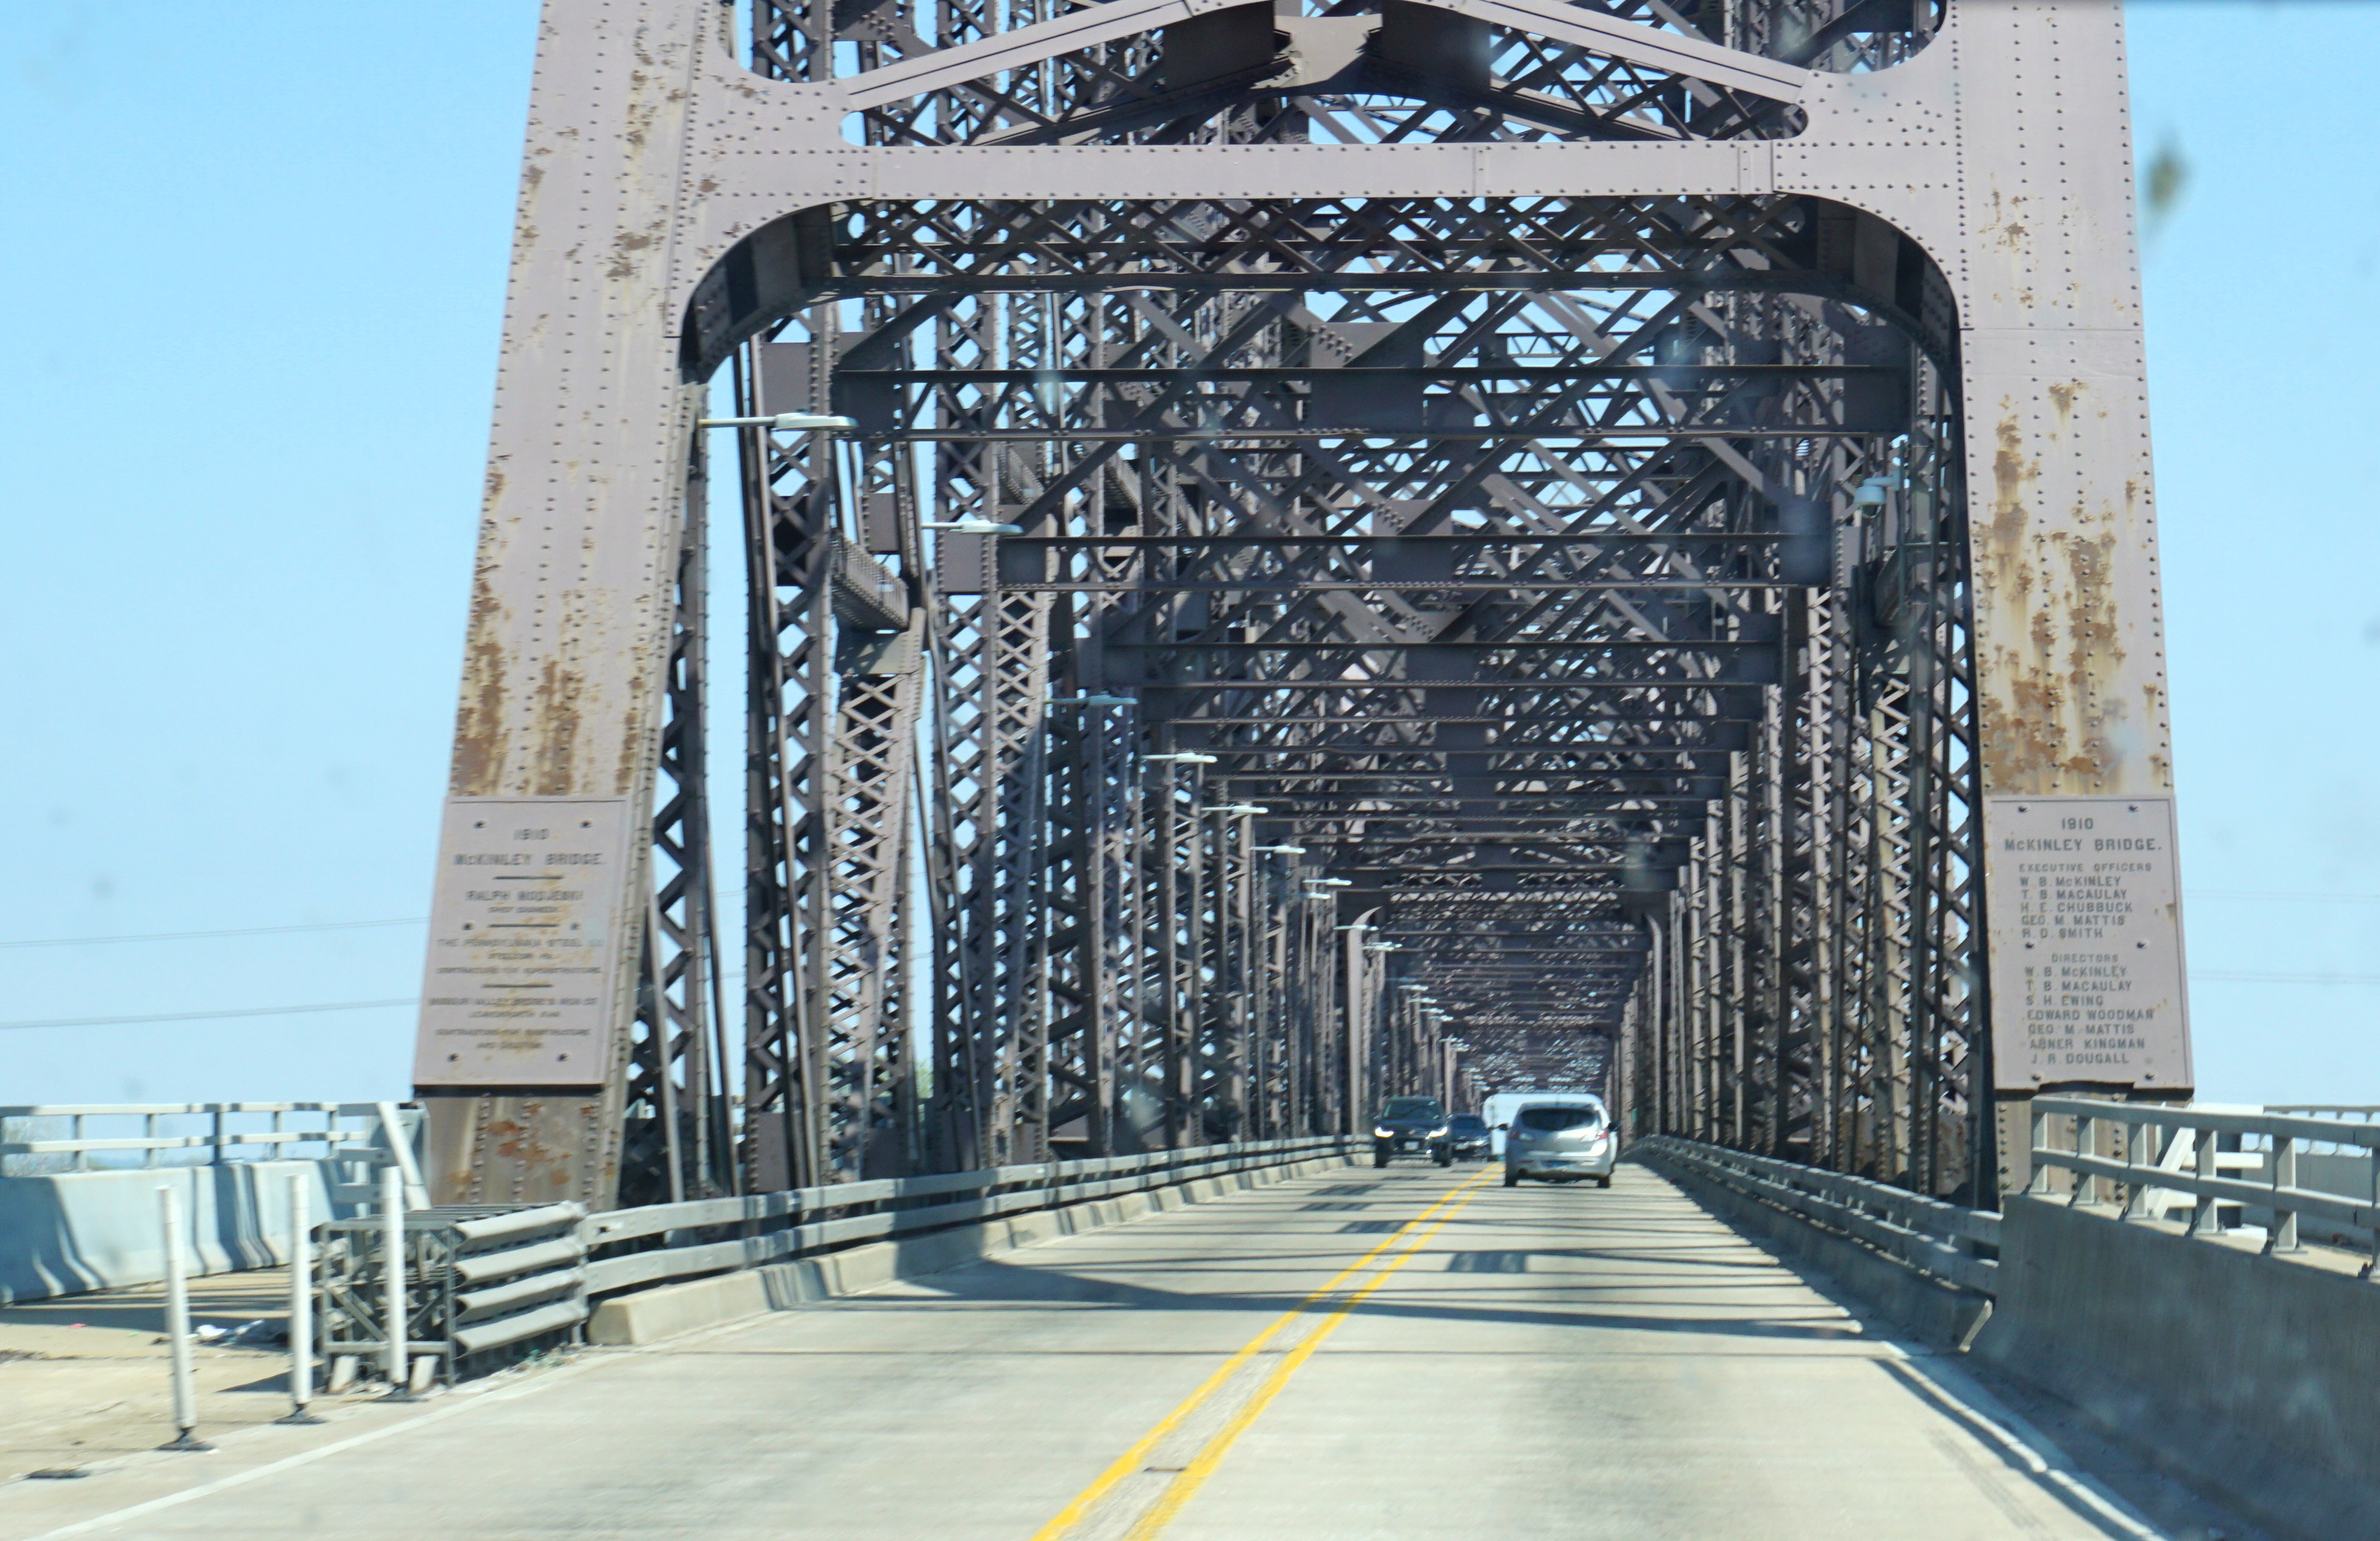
(1238,809)
(972,527)
(785,423)
(1333,882)
(1283,851)
(1086,701)
(1185,758)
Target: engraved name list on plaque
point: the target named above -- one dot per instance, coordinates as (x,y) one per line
(523,943)
(2086,948)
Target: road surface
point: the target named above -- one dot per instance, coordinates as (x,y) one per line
(1411,1353)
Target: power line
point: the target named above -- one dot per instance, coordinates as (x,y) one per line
(2276,893)
(191,936)
(213,1016)
(2263,976)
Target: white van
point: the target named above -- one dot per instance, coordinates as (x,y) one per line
(1498,1109)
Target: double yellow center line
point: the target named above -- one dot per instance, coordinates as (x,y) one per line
(1411,1237)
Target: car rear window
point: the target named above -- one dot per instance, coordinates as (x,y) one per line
(1545,1119)
(1410,1107)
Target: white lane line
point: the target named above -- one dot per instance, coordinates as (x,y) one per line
(465,1402)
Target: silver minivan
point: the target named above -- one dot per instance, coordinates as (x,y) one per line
(1558,1142)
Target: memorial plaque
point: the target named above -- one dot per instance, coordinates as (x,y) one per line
(2087,982)
(523,942)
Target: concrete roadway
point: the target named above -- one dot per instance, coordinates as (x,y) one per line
(1536,1361)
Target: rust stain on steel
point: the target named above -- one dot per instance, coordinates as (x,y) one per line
(2011,475)
(518,1143)
(2020,725)
(555,722)
(2090,612)
(480,713)
(628,244)
(2056,637)
(2006,224)
(633,750)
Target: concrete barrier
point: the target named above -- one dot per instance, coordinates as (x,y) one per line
(72,1232)
(1939,1314)
(672,1310)
(2254,1378)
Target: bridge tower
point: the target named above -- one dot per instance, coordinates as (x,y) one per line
(1630,520)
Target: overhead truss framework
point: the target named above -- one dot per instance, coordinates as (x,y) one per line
(1384,546)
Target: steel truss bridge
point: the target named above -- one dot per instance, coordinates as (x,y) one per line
(1378,546)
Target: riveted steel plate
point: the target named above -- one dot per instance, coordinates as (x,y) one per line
(525,942)
(2086,942)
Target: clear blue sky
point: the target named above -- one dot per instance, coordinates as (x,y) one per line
(251,288)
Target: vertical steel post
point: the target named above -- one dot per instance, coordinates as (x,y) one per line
(177,1323)
(1174,1053)
(2283,1237)
(395,1318)
(301,1300)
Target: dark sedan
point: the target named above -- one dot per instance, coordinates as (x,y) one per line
(1466,1136)
(1411,1126)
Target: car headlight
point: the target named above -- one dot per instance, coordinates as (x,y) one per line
(1384,1134)
(1441,1133)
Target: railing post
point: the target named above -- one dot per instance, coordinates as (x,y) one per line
(2135,1138)
(216,1140)
(2086,1142)
(2039,1186)
(392,1263)
(2203,1215)
(2372,1164)
(301,1301)
(177,1325)
(2283,1237)
(82,1156)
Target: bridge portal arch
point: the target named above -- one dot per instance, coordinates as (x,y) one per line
(1627,518)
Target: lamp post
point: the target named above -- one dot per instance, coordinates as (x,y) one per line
(1234,923)
(785,423)
(1175,1067)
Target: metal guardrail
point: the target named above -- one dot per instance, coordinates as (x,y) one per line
(218,1139)
(1943,1241)
(482,1278)
(382,1134)
(2168,1136)
(812,1220)
(478,1278)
